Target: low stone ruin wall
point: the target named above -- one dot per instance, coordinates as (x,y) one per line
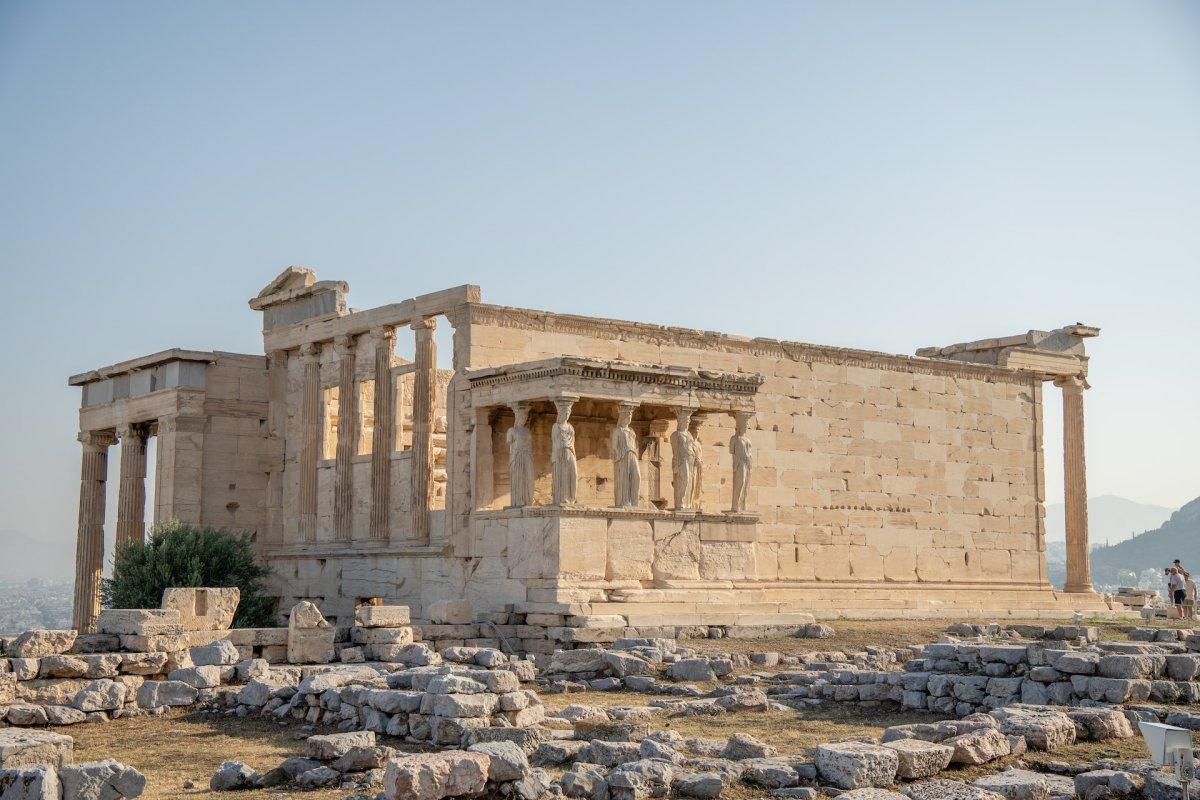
(39,765)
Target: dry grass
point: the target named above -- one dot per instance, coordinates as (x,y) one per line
(181,746)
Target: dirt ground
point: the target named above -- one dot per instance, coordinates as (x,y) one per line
(179,746)
(857,634)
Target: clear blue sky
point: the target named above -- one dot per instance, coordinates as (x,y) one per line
(884,175)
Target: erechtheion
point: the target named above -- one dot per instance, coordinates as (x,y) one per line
(585,470)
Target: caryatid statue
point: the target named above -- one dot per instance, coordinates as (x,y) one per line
(681,460)
(626,472)
(520,459)
(743,459)
(563,471)
(696,454)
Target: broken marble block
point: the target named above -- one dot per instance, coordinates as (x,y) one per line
(37,644)
(203,609)
(382,617)
(20,748)
(310,636)
(140,622)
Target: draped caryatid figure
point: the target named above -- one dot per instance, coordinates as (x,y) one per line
(682,466)
(696,456)
(626,472)
(743,460)
(520,459)
(563,470)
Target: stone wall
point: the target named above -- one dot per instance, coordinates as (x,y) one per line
(871,470)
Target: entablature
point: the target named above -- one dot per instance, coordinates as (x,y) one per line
(616,381)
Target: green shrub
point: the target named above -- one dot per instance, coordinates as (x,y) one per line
(180,554)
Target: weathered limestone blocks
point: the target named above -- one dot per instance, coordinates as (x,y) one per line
(855,765)
(432,776)
(101,780)
(38,782)
(35,644)
(19,748)
(140,622)
(310,636)
(206,609)
(368,616)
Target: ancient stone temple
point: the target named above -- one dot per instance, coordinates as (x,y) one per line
(596,471)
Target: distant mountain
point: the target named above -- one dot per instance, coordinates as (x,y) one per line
(1178,537)
(29,558)
(1111,519)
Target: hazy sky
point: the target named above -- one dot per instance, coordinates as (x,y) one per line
(882,175)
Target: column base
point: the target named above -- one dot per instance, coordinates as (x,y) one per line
(1084,589)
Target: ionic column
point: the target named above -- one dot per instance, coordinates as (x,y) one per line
(277,368)
(1079,569)
(89,543)
(347,442)
(384,435)
(131,496)
(310,422)
(424,385)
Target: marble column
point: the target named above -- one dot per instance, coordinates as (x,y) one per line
(310,427)
(89,544)
(1079,568)
(347,441)
(131,496)
(424,386)
(383,439)
(277,367)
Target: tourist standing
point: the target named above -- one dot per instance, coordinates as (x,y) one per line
(1176,589)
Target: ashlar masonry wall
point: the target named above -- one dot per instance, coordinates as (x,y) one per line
(871,470)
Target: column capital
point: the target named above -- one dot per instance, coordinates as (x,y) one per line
(130,430)
(1077,382)
(424,324)
(310,352)
(384,333)
(345,344)
(95,440)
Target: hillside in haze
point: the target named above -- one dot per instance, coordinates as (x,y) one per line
(1111,519)
(1178,537)
(26,558)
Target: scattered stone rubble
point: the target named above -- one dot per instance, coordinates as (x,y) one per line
(1015,696)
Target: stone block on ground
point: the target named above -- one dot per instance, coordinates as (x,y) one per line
(432,776)
(856,765)
(944,789)
(232,776)
(101,780)
(37,644)
(978,747)
(382,616)
(140,622)
(1016,784)
(221,653)
(920,759)
(1043,728)
(329,747)
(33,782)
(20,748)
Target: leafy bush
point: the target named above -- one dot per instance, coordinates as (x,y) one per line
(180,554)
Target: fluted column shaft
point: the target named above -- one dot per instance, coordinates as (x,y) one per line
(89,544)
(347,442)
(131,496)
(310,421)
(424,385)
(1079,569)
(384,435)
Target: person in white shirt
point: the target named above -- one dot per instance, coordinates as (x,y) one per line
(1177,589)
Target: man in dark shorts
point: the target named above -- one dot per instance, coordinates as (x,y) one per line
(1177,588)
